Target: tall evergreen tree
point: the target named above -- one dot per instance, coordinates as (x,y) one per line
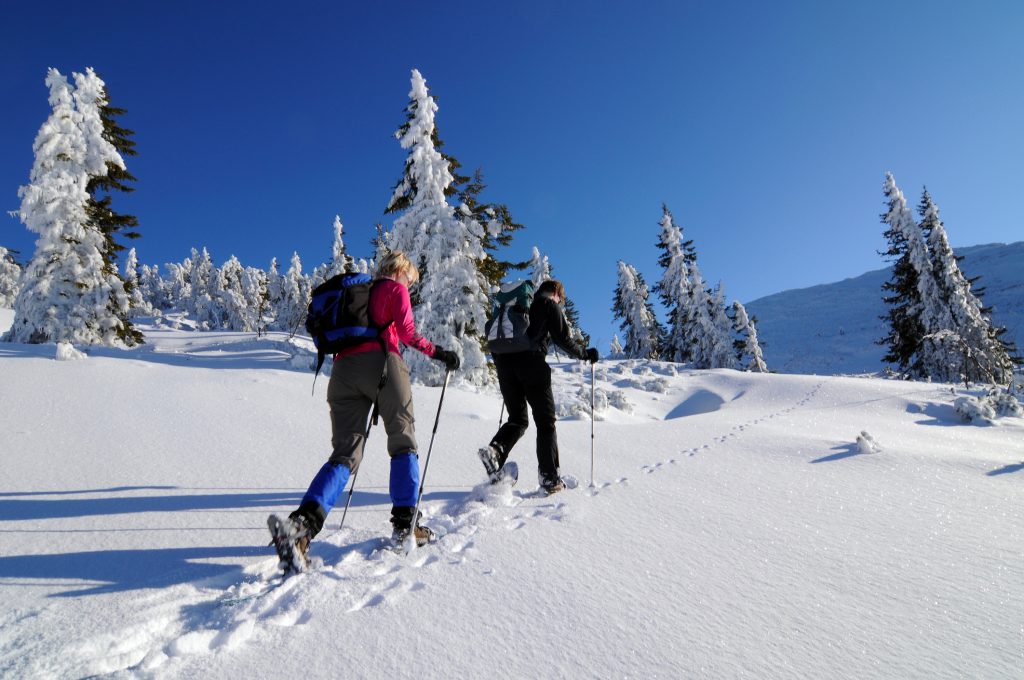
(711,333)
(906,329)
(498,228)
(969,348)
(111,223)
(630,304)
(341,261)
(67,294)
(447,248)
(748,349)
(674,287)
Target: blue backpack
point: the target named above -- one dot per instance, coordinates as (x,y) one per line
(510,318)
(338,316)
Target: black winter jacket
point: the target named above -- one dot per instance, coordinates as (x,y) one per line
(547,322)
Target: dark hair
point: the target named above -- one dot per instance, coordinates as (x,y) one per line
(552,286)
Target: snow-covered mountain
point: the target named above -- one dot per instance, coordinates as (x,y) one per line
(832,328)
(739,526)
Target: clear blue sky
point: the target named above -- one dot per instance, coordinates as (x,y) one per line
(766,127)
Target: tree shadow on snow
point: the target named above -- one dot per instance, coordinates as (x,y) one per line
(1006,469)
(843,451)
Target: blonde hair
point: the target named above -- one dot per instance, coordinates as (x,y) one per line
(395,263)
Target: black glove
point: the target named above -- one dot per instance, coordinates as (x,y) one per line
(591,355)
(449,359)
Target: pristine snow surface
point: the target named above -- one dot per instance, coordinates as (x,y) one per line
(740,526)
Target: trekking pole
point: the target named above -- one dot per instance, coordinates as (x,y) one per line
(352,486)
(502,414)
(591,426)
(426,463)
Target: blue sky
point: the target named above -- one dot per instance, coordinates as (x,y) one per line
(766,127)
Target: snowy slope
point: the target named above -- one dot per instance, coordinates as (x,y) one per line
(735,530)
(831,329)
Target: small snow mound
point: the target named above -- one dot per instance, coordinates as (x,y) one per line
(985,409)
(866,443)
(67,352)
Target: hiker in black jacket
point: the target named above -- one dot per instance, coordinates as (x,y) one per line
(525,378)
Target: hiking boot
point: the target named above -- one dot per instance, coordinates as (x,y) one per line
(550,484)
(489,456)
(401,520)
(422,534)
(290,538)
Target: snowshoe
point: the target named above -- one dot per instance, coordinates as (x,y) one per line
(489,457)
(290,538)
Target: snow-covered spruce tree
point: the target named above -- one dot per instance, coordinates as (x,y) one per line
(10,272)
(275,293)
(154,290)
(66,294)
(295,296)
(117,178)
(674,287)
(711,334)
(201,304)
(177,285)
(102,135)
(451,293)
(906,330)
(638,322)
(139,305)
(971,349)
(341,261)
(616,348)
(538,267)
(230,304)
(748,349)
(254,291)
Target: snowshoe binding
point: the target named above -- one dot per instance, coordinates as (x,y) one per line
(290,538)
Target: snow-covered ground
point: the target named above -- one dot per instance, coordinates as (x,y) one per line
(740,526)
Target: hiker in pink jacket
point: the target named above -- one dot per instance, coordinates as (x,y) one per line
(356,379)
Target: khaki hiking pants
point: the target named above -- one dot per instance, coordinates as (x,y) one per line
(350,393)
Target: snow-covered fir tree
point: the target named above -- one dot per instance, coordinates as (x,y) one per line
(970,348)
(748,349)
(10,272)
(66,294)
(294,301)
(275,293)
(231,307)
(712,333)
(153,289)
(901,292)
(177,285)
(539,267)
(674,287)
(117,178)
(201,302)
(638,322)
(341,261)
(616,348)
(140,306)
(451,293)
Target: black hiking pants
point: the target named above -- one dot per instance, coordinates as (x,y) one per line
(525,379)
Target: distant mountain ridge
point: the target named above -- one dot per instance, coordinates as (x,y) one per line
(832,328)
